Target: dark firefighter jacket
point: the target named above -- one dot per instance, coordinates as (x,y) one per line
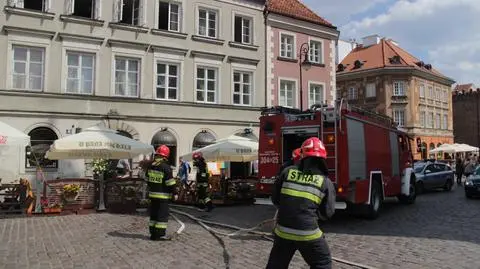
(202,173)
(160,180)
(302,198)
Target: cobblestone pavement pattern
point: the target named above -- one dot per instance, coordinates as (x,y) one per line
(438,232)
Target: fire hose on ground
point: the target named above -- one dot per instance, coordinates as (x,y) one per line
(239,231)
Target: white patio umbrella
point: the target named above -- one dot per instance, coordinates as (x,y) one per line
(10,136)
(231,149)
(445,148)
(466,148)
(97,143)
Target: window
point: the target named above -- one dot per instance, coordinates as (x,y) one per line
(242,88)
(207,23)
(399,88)
(167,81)
(430,120)
(28,68)
(445,122)
(127,74)
(399,117)
(206,84)
(422,91)
(371,90)
(38,5)
(243,30)
(315,95)
(80,70)
(438,121)
(40,140)
(430,92)
(165,137)
(316,52)
(352,93)
(129,12)
(84,8)
(287,46)
(169,16)
(287,93)
(422,119)
(437,94)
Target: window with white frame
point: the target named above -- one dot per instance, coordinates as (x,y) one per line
(89,9)
(422,91)
(168,80)
(243,30)
(399,117)
(28,68)
(80,72)
(170,16)
(437,94)
(38,5)
(129,12)
(431,93)
(127,77)
(371,90)
(242,88)
(207,84)
(445,122)
(315,52)
(287,93)
(422,119)
(316,94)
(287,49)
(207,22)
(430,120)
(352,93)
(438,121)
(399,88)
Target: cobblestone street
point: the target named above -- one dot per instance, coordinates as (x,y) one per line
(437,232)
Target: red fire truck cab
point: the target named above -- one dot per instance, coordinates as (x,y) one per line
(369,159)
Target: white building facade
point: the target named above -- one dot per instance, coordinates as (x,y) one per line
(181,73)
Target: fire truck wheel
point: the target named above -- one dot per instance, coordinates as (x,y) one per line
(373,209)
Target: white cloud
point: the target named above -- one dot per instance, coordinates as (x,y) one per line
(443,31)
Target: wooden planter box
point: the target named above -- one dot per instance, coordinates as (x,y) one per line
(52,210)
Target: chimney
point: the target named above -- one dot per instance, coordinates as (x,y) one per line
(370,40)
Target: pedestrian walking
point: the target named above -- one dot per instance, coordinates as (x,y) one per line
(203,199)
(303,194)
(184,170)
(160,184)
(459,170)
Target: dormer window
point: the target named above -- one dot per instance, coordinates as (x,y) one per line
(395,60)
(340,68)
(428,66)
(358,64)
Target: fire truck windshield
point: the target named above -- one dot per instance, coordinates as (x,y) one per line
(293,141)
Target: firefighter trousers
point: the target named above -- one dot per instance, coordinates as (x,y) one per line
(203,197)
(316,253)
(159,210)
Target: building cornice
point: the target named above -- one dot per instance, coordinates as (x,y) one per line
(208,55)
(243,60)
(410,71)
(27,31)
(81,38)
(128,44)
(243,3)
(171,50)
(296,25)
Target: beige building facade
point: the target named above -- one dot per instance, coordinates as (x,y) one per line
(181,73)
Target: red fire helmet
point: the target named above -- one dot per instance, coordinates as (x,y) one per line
(297,154)
(313,147)
(197,155)
(163,151)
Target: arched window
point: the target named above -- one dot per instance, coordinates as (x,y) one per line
(165,137)
(440,154)
(431,147)
(40,140)
(424,150)
(125,133)
(203,139)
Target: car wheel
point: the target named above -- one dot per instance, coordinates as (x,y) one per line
(448,185)
(420,188)
(373,209)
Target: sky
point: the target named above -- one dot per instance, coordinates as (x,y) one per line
(444,33)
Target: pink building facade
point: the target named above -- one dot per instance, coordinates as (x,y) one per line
(285,36)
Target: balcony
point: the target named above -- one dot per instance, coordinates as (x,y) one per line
(399,99)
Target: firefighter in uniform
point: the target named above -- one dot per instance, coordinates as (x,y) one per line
(303,195)
(160,185)
(296,155)
(202,181)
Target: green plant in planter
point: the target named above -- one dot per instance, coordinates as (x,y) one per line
(129,193)
(70,191)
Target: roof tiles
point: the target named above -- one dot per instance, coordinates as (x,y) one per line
(297,10)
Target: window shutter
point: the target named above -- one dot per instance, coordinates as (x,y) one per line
(98,9)
(69,7)
(47,5)
(118,10)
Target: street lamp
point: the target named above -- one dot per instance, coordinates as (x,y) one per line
(304,50)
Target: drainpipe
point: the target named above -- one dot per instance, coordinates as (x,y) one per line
(265,15)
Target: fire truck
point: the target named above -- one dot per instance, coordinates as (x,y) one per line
(369,159)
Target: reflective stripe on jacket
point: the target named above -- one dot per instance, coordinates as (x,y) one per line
(160,180)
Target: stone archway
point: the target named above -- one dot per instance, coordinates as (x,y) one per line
(122,127)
